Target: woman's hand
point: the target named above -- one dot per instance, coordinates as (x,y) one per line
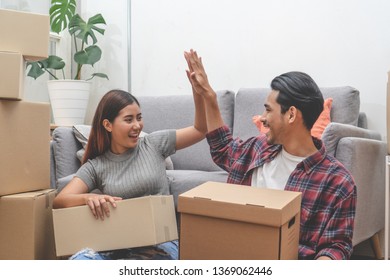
(100,205)
(196,73)
(202,88)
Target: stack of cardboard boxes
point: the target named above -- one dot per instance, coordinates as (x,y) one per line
(26,227)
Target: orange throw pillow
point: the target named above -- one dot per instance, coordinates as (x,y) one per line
(318,127)
(256,120)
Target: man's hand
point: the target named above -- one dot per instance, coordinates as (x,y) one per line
(196,73)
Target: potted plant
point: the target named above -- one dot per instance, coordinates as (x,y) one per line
(63,89)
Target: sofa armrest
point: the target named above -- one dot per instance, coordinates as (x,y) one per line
(64,149)
(336,131)
(362,120)
(365,159)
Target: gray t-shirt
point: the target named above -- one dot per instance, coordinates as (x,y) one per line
(137,172)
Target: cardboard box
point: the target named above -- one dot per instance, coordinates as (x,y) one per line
(225,221)
(25,33)
(24,146)
(26,223)
(12,75)
(136,222)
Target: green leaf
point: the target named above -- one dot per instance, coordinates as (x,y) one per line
(39,67)
(83,30)
(100,75)
(61,12)
(35,70)
(90,55)
(53,62)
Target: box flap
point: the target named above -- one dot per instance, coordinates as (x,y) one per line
(30,195)
(244,203)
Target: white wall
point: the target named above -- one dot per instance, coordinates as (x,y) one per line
(245,43)
(114,47)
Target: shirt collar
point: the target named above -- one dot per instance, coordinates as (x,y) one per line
(312,161)
(308,164)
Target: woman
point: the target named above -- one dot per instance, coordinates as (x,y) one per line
(122,165)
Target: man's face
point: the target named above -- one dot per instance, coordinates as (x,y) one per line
(273,119)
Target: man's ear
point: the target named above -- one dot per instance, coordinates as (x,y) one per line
(292,114)
(107,125)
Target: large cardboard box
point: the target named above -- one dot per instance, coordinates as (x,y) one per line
(11,75)
(25,33)
(135,222)
(26,226)
(226,221)
(24,146)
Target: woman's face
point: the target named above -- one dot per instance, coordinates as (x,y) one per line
(125,129)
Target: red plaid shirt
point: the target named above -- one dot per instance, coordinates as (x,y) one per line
(328,190)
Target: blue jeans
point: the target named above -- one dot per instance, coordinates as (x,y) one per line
(164,251)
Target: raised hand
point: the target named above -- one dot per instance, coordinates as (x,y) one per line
(196,73)
(201,88)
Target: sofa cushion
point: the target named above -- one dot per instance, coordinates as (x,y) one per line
(250,102)
(62,182)
(179,110)
(65,147)
(346,104)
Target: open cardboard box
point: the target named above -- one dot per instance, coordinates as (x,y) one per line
(135,222)
(226,221)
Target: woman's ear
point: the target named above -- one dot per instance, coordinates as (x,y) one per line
(107,125)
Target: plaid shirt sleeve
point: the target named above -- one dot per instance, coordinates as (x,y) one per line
(223,148)
(234,155)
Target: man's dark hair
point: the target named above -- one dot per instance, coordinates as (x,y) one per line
(299,90)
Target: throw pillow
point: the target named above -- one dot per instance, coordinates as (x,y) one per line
(318,127)
(81,132)
(256,120)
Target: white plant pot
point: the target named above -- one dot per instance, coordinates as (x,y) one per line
(69,101)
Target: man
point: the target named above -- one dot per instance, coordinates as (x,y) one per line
(287,157)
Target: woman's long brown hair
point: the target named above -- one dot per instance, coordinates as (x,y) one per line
(99,140)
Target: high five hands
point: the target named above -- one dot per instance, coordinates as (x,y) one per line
(196,73)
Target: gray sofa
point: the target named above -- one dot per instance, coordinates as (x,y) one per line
(347,138)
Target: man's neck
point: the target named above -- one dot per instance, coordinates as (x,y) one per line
(300,144)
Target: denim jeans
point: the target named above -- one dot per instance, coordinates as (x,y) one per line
(164,251)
